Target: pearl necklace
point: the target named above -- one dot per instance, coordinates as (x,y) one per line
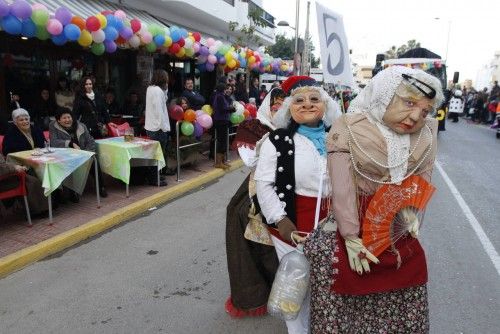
(426,154)
(403,160)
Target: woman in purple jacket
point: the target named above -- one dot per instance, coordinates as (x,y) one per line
(223,107)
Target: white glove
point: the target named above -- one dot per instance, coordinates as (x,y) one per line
(358,255)
(410,220)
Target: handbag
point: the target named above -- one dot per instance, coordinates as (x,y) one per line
(256,229)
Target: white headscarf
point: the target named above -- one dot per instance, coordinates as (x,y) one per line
(374,100)
(264,114)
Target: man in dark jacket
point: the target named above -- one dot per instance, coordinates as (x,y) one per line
(196,100)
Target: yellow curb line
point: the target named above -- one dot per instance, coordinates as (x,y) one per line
(22,258)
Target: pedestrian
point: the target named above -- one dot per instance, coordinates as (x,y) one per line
(254,91)
(157,123)
(385,138)
(223,107)
(251,263)
(290,167)
(241,92)
(44,110)
(455,106)
(89,109)
(64,95)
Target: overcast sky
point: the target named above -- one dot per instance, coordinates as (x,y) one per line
(374,26)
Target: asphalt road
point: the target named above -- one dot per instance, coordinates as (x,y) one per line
(165,272)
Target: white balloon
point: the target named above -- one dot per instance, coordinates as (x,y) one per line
(134,41)
(98,36)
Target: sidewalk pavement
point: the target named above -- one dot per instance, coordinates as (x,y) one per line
(21,245)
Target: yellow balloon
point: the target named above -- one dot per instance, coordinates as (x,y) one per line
(229,57)
(231,63)
(181,53)
(102,19)
(207,109)
(189,52)
(85,38)
(168,41)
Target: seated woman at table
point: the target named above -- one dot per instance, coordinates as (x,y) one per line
(67,132)
(36,199)
(22,136)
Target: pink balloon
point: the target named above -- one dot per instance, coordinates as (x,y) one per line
(146,37)
(196,47)
(120,14)
(54,27)
(39,6)
(212,59)
(205,121)
(210,41)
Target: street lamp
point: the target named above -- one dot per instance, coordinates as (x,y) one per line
(296,28)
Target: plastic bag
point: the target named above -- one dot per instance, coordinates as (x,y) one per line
(290,286)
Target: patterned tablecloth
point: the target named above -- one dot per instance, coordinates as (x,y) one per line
(115,155)
(65,166)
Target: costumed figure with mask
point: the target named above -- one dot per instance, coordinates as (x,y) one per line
(291,164)
(251,259)
(455,106)
(380,159)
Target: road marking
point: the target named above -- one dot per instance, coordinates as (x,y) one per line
(485,241)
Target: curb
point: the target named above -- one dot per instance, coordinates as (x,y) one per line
(24,257)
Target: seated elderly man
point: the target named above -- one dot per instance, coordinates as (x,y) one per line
(36,199)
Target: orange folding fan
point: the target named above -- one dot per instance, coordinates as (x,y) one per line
(383,224)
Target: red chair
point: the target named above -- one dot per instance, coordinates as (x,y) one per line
(117,130)
(20,190)
(1,144)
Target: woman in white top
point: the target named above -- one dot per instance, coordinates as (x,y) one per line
(291,163)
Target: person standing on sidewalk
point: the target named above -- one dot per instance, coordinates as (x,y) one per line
(223,107)
(157,123)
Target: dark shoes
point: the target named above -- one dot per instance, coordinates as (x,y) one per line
(74,196)
(168,171)
(152,181)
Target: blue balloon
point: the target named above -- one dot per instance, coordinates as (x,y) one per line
(111,20)
(109,46)
(72,32)
(175,35)
(29,28)
(59,39)
(243,63)
(183,32)
(118,24)
(159,40)
(110,33)
(12,25)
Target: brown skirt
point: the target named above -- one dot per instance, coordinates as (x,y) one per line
(400,311)
(251,265)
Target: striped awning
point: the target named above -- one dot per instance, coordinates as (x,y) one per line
(88,8)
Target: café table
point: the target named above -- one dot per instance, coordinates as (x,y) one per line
(56,166)
(116,156)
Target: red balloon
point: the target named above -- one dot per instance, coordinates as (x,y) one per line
(174,48)
(177,113)
(181,42)
(135,24)
(197,36)
(251,109)
(93,23)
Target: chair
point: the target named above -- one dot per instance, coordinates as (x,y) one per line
(20,190)
(117,130)
(1,144)
(46,134)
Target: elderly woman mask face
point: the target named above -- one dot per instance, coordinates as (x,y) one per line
(406,115)
(307,107)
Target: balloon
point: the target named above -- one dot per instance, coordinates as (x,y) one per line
(79,22)
(135,24)
(102,20)
(110,33)
(92,23)
(231,63)
(198,130)
(72,32)
(207,109)
(4,8)
(97,49)
(174,48)
(189,52)
(199,113)
(196,47)
(151,47)
(21,9)
(181,53)
(239,108)
(197,36)
(209,67)
(204,51)
(54,27)
(126,33)
(120,14)
(110,46)
(98,36)
(252,109)
(175,35)
(63,15)
(205,121)
(187,128)
(28,28)
(42,33)
(146,37)
(210,41)
(168,41)
(12,25)
(85,38)
(234,118)
(59,39)
(176,113)
(111,20)
(40,17)
(159,40)
(39,6)
(189,115)
(134,41)
(246,113)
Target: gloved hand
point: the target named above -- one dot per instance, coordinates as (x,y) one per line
(410,220)
(358,255)
(285,228)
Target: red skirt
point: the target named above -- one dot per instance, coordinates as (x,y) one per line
(384,276)
(305,208)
